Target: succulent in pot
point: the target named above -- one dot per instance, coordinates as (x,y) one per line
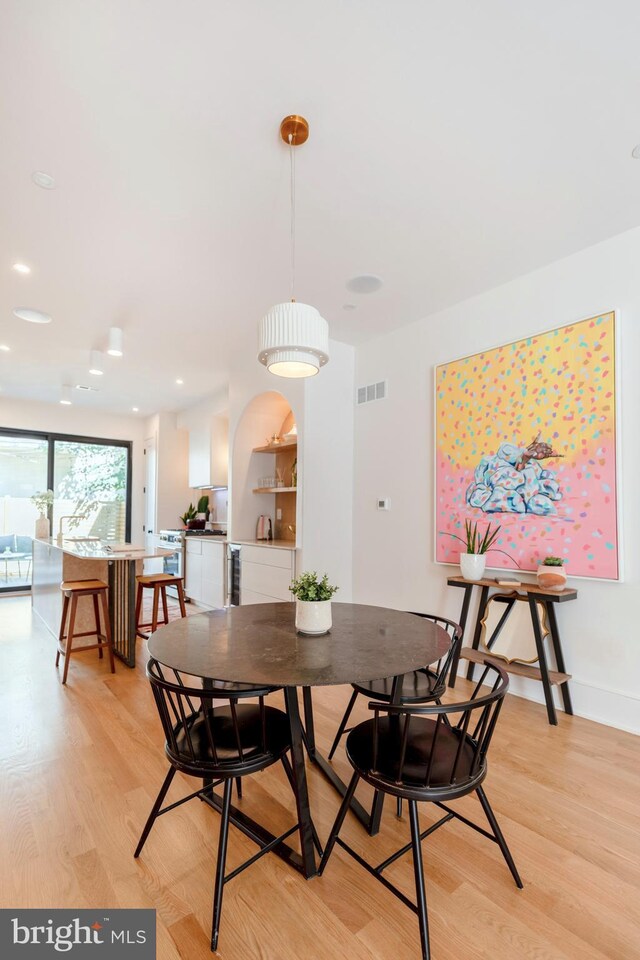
(551,573)
(473,560)
(313,603)
(189,515)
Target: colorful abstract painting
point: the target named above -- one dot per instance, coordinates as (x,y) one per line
(526,438)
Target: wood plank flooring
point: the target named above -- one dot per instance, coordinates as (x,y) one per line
(81,765)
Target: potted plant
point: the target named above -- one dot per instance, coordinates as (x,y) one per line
(43,502)
(313,603)
(203,507)
(189,515)
(551,573)
(474,560)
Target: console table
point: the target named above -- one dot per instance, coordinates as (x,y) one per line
(535,595)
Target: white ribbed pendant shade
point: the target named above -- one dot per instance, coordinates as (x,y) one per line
(293,340)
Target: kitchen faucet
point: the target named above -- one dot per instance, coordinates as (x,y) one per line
(69,516)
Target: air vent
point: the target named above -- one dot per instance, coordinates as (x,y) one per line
(82,386)
(373,391)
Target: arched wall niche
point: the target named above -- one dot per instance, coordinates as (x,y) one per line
(263,416)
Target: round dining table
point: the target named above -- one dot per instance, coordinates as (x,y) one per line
(258,645)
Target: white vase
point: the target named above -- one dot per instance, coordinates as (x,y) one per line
(551,578)
(313,617)
(42,528)
(472,565)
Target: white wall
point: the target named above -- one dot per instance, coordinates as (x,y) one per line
(393,552)
(173,494)
(323,406)
(31,415)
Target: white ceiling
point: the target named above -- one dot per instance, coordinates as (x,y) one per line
(454,145)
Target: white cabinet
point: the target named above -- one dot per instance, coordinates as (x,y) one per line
(205,566)
(193,569)
(213,570)
(265,574)
(209,453)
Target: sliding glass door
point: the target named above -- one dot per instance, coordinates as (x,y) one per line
(23,472)
(91,483)
(90,487)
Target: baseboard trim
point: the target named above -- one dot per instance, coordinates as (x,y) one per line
(612,708)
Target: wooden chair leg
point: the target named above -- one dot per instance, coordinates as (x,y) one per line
(154,616)
(107,629)
(183,609)
(96,614)
(165,609)
(139,608)
(67,649)
(63,621)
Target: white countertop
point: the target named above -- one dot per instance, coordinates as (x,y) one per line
(275,544)
(102,550)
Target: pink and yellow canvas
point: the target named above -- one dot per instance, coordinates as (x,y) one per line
(526,438)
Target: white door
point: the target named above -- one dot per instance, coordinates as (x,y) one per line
(150,493)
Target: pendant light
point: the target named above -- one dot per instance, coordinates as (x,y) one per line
(96,366)
(115,342)
(293,339)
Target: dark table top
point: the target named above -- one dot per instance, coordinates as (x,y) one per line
(258,644)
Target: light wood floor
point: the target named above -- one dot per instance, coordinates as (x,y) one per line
(81,765)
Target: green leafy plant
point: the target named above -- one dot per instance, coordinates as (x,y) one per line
(477,542)
(43,500)
(552,562)
(203,504)
(189,514)
(308,587)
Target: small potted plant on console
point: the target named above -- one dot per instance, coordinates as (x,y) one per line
(313,603)
(551,573)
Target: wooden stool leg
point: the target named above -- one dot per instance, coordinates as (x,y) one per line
(65,609)
(138,608)
(96,613)
(107,629)
(183,609)
(165,609)
(154,616)
(72,624)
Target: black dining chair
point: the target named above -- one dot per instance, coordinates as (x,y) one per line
(435,753)
(419,686)
(212,735)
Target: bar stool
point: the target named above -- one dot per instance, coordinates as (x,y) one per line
(72,590)
(159,582)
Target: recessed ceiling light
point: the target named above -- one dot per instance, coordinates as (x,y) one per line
(65,396)
(135,409)
(95,363)
(349,306)
(115,344)
(4,347)
(21,268)
(33,316)
(366,283)
(179,382)
(44,180)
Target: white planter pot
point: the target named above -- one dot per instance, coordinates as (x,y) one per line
(313,617)
(552,578)
(472,565)
(42,528)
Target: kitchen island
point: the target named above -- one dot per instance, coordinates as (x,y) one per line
(87,558)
